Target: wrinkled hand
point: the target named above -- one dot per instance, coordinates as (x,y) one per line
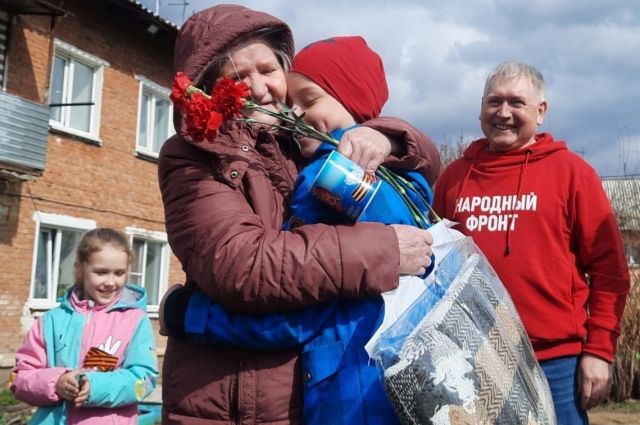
(594,380)
(415,249)
(83,394)
(365,146)
(67,386)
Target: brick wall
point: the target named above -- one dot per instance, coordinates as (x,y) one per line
(106,183)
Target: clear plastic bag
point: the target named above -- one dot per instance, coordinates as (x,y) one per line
(459,354)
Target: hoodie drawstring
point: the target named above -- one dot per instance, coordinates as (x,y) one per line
(523,170)
(464,183)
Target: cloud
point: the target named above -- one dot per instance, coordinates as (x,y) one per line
(437,55)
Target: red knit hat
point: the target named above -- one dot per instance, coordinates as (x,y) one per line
(347,69)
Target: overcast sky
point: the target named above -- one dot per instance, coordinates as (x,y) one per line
(438,53)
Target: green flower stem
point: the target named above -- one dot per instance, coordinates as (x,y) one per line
(297,124)
(193,89)
(410,185)
(390,178)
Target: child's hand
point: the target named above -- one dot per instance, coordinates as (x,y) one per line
(83,394)
(67,386)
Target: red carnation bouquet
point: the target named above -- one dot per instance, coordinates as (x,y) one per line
(204,114)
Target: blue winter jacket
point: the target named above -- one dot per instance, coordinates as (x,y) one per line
(341,384)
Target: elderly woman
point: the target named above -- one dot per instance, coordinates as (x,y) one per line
(225,203)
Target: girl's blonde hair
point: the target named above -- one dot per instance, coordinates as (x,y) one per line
(94,241)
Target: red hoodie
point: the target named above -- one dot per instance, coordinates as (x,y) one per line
(542,218)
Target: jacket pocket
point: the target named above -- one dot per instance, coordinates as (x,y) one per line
(322,403)
(320,362)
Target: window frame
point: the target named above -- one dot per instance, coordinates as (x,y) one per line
(73,54)
(157,237)
(58,222)
(5,31)
(156,91)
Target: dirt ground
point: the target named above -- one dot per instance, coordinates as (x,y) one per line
(601,416)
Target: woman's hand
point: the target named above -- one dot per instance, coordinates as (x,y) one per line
(415,249)
(67,386)
(365,146)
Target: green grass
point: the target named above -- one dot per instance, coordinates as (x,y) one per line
(7,398)
(628,406)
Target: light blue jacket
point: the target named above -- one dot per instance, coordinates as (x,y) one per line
(58,342)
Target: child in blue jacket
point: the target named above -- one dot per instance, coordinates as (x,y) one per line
(336,83)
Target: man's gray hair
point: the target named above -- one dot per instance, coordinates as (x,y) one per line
(512,70)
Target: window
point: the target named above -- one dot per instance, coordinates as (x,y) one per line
(4,34)
(151,264)
(155,117)
(76,87)
(57,237)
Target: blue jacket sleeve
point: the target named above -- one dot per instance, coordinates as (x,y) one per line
(134,380)
(209,323)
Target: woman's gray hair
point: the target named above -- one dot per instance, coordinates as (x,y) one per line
(512,70)
(281,49)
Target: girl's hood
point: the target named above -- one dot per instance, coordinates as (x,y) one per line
(131,296)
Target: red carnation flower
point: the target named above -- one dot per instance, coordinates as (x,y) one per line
(179,90)
(203,114)
(202,121)
(229,97)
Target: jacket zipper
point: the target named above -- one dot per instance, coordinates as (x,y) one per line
(238,391)
(89,335)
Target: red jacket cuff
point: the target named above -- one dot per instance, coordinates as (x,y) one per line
(601,343)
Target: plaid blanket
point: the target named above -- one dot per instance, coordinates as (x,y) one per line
(460,355)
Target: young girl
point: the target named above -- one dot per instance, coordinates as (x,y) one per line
(92,359)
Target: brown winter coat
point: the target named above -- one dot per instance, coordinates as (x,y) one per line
(225,203)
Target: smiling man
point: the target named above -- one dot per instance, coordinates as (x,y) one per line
(540,215)
(512,109)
